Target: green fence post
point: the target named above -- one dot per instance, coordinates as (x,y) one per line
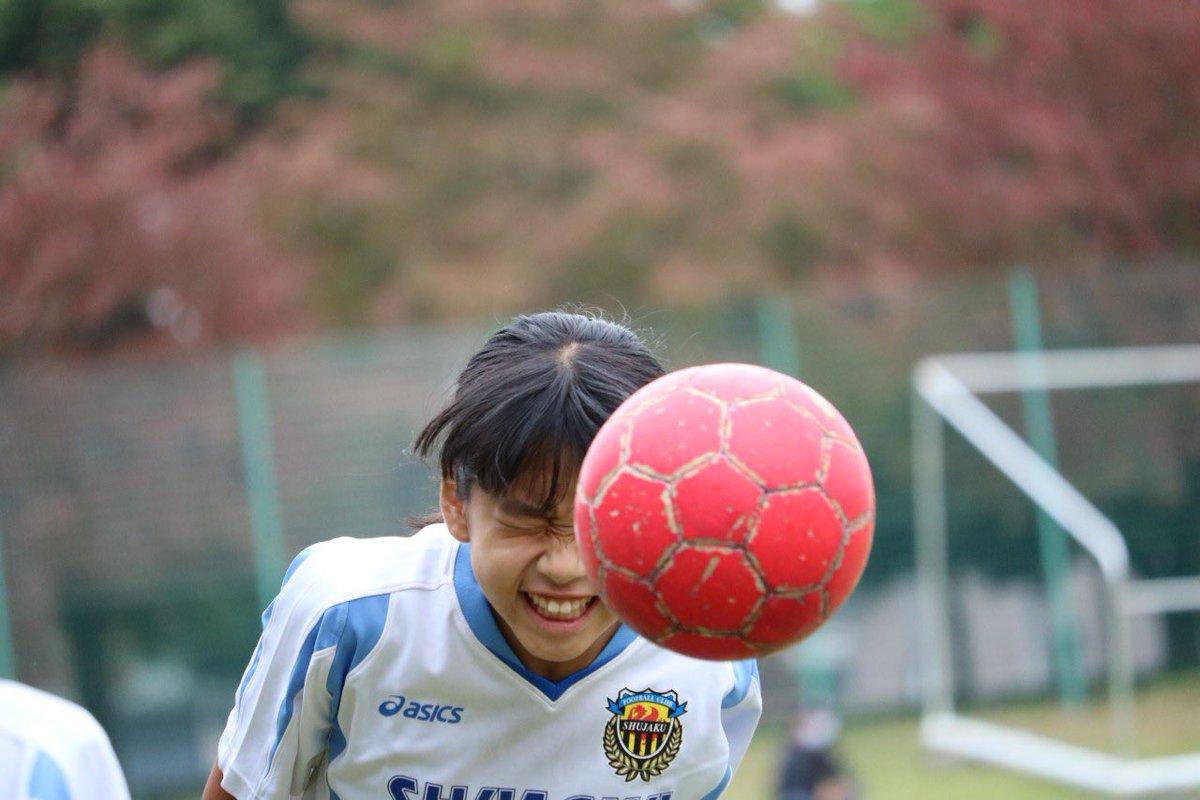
(1052,539)
(8,666)
(262,487)
(773,316)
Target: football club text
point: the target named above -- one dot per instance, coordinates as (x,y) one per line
(402,787)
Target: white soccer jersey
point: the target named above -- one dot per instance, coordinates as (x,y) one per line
(381,673)
(52,749)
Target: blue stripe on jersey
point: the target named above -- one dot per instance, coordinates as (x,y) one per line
(266,619)
(296,562)
(363,627)
(47,781)
(324,634)
(743,673)
(715,793)
(479,617)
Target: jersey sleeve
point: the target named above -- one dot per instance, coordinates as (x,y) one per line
(54,749)
(92,771)
(277,733)
(47,781)
(740,710)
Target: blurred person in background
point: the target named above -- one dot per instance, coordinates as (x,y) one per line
(811,767)
(53,749)
(476,658)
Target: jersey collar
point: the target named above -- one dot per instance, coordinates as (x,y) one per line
(479,616)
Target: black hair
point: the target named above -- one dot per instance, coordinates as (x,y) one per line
(534,396)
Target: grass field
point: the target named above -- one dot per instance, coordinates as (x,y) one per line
(889,764)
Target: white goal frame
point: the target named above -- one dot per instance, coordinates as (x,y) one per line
(947,390)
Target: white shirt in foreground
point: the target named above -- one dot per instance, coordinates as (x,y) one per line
(52,749)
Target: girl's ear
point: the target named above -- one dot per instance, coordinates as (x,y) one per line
(454,510)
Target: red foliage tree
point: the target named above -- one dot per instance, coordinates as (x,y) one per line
(126,216)
(1020,129)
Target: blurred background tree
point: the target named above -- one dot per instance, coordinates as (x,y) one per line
(257,42)
(1019,130)
(126,216)
(667,153)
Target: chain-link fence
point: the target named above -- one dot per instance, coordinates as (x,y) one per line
(147,509)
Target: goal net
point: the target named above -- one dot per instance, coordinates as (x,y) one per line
(948,393)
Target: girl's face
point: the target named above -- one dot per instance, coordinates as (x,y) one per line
(527,563)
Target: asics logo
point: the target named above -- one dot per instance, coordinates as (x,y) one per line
(414,709)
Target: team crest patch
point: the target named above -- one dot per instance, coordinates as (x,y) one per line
(644,734)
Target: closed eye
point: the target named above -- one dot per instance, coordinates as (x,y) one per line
(527,524)
(537,525)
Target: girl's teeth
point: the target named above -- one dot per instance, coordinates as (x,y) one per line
(566,609)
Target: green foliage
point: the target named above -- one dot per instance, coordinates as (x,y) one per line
(738,12)
(615,262)
(257,42)
(45,34)
(985,38)
(447,71)
(893,22)
(705,176)
(370,59)
(575,105)
(814,84)
(356,264)
(791,243)
(809,90)
(720,21)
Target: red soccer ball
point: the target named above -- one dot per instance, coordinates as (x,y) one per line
(725,511)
